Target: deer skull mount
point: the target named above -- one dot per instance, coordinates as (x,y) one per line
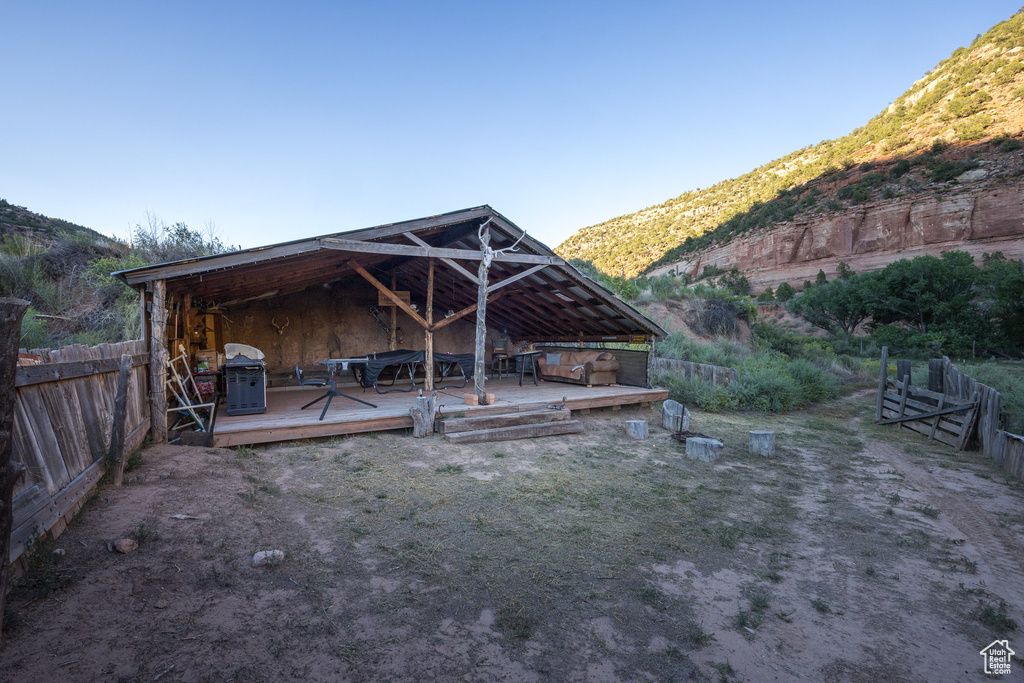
(280,328)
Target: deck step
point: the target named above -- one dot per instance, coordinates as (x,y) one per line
(454,425)
(527,431)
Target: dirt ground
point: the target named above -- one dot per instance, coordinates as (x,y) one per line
(859,553)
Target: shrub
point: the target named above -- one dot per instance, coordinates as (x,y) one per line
(785,292)
(695,392)
(767,388)
(901,167)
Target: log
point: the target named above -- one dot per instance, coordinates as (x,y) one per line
(422,414)
(11,313)
(706,450)
(480,360)
(883,373)
(428,344)
(762,443)
(675,416)
(456,425)
(117,429)
(518,432)
(637,429)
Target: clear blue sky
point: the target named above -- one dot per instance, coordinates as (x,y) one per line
(284,120)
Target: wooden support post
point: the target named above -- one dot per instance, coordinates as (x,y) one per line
(903,370)
(904,393)
(883,377)
(942,404)
(935,375)
(393,334)
(143,326)
(157,368)
(11,313)
(968,425)
(117,429)
(481,319)
(428,356)
(186,326)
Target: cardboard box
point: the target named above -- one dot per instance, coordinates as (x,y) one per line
(211,358)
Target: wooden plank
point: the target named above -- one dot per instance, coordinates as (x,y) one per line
(117,429)
(389,294)
(444,322)
(59,505)
(56,372)
(389,249)
(220,261)
(516,278)
(528,431)
(28,503)
(903,399)
(935,423)
(883,375)
(925,415)
(447,261)
(466,424)
(903,370)
(312,431)
(386,301)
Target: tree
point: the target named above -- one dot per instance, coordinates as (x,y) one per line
(767,295)
(926,293)
(785,292)
(820,279)
(1001,298)
(836,305)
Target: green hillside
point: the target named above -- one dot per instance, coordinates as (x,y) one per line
(976,94)
(63,270)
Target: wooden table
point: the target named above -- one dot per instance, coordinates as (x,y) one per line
(527,357)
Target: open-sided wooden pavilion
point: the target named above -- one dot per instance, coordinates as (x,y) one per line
(447,283)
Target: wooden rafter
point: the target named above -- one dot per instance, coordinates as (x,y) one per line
(389,294)
(389,249)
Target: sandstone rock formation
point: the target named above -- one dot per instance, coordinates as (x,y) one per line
(980,220)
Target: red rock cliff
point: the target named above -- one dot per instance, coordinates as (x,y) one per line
(982,220)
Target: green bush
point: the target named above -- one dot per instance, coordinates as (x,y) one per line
(900,168)
(766,388)
(696,392)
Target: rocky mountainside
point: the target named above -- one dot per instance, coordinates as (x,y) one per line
(952,133)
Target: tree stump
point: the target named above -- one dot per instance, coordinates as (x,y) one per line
(422,414)
(762,443)
(11,312)
(706,450)
(675,416)
(637,428)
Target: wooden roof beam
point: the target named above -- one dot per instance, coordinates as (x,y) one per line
(434,252)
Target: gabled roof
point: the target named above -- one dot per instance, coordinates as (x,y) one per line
(544,297)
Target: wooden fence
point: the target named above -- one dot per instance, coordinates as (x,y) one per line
(984,421)
(712,374)
(62,420)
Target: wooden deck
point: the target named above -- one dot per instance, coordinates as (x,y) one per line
(284,421)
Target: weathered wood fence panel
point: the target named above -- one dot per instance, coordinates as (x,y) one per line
(62,425)
(948,387)
(712,374)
